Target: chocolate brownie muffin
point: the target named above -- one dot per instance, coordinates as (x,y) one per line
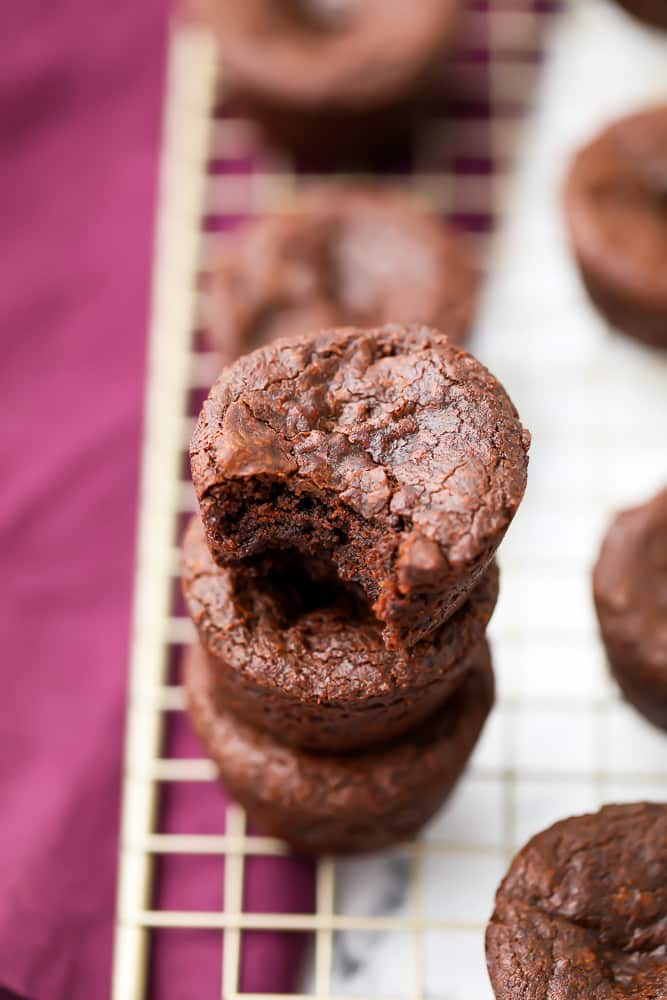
(344,256)
(354,802)
(630,590)
(582,912)
(305,659)
(616,208)
(388,457)
(653,12)
(330,76)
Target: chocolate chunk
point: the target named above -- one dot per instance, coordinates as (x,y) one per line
(248,447)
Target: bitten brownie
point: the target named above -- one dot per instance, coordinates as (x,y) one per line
(615,199)
(630,590)
(343,256)
(388,456)
(582,913)
(305,661)
(327,76)
(651,11)
(355,802)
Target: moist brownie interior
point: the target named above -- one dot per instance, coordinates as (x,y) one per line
(296,588)
(265,516)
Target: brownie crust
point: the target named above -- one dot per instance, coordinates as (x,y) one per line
(615,198)
(305,661)
(582,912)
(630,592)
(357,802)
(389,453)
(340,256)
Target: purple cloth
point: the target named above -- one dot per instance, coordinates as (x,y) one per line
(80,97)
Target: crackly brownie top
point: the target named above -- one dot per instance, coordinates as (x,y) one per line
(340,255)
(404,428)
(316,53)
(616,196)
(583,910)
(630,585)
(318,640)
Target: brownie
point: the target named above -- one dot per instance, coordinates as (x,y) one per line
(330,78)
(615,204)
(304,659)
(340,256)
(630,590)
(350,802)
(652,12)
(388,457)
(582,912)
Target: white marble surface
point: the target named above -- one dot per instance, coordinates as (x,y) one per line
(559,741)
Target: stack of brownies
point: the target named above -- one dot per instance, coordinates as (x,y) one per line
(354,485)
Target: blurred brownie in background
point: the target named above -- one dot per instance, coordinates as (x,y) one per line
(616,209)
(329,78)
(340,256)
(630,590)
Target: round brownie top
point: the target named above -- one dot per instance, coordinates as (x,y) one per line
(369,782)
(582,912)
(329,53)
(317,640)
(616,202)
(341,256)
(630,587)
(401,426)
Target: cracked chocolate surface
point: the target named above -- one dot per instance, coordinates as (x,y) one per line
(616,208)
(582,912)
(390,452)
(304,659)
(630,590)
(352,256)
(355,802)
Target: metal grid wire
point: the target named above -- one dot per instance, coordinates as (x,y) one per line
(558,742)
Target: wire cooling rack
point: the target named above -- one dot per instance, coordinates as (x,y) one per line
(407,923)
